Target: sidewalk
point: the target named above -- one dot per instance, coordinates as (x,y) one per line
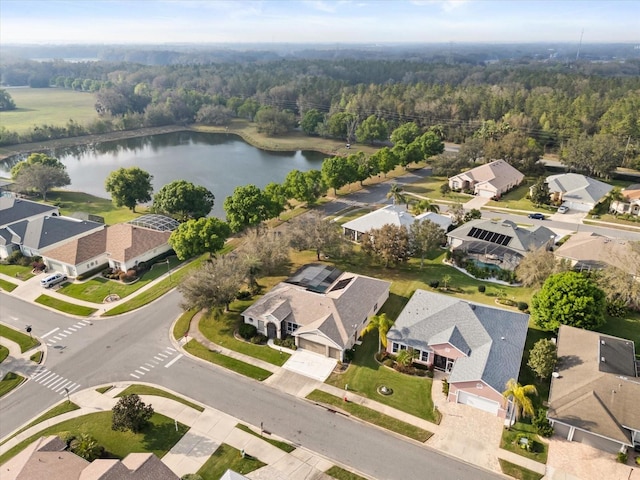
(208,430)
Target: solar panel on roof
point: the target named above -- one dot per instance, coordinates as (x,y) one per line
(491,237)
(341,284)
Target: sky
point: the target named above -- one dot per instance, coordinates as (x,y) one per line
(317,21)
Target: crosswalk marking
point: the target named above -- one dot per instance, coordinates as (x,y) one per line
(157,359)
(53,381)
(134,376)
(49,333)
(145,369)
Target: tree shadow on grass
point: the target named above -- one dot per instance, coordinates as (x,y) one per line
(160,438)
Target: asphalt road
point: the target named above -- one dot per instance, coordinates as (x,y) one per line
(111,349)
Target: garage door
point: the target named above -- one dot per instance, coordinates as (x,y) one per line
(596,441)
(312,346)
(335,353)
(55,267)
(485,193)
(480,403)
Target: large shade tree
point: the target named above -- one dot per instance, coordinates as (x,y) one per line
(390,244)
(248,206)
(425,236)
(314,232)
(41,178)
(568,298)
(129,186)
(183,200)
(195,237)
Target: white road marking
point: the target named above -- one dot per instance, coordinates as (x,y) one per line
(173,361)
(79,325)
(40,373)
(62,335)
(159,359)
(162,355)
(149,365)
(71,390)
(61,386)
(72,329)
(49,375)
(51,342)
(134,376)
(52,379)
(49,333)
(57,383)
(170,349)
(67,332)
(139,372)
(144,368)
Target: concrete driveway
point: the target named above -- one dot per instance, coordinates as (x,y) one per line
(310,364)
(570,217)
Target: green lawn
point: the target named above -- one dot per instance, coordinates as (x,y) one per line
(70,308)
(16,271)
(70,202)
(627,327)
(147,390)
(508,441)
(7,286)
(219,327)
(342,474)
(104,389)
(158,438)
(518,472)
(182,324)
(25,341)
(158,290)
(51,106)
(430,187)
(36,357)
(371,416)
(238,366)
(4,353)
(98,288)
(365,375)
(225,458)
(64,407)
(284,446)
(526,375)
(9,382)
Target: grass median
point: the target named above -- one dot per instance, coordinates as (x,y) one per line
(66,307)
(371,416)
(342,474)
(9,382)
(284,446)
(197,349)
(64,407)
(7,286)
(228,458)
(516,471)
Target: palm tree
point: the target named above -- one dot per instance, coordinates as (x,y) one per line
(396,192)
(87,447)
(522,405)
(382,323)
(426,206)
(406,357)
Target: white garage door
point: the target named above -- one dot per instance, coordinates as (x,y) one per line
(485,193)
(480,403)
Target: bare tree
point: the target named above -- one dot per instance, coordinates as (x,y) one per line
(425,236)
(537,266)
(263,252)
(313,232)
(390,243)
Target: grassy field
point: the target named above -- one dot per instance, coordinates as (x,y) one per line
(52,106)
(364,376)
(98,288)
(157,438)
(371,416)
(147,390)
(430,187)
(70,202)
(66,307)
(4,353)
(238,366)
(9,382)
(518,472)
(25,341)
(227,457)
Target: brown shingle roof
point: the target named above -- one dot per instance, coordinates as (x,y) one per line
(126,242)
(81,249)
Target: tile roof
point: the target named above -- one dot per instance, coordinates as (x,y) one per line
(493,339)
(126,242)
(632,192)
(14,209)
(578,188)
(588,396)
(333,314)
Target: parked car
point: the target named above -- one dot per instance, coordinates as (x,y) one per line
(563,209)
(52,279)
(537,216)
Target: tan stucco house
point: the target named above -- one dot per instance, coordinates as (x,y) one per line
(491,180)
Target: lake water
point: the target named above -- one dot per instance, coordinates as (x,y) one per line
(219,162)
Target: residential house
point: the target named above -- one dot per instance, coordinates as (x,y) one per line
(48,458)
(590,251)
(12,210)
(121,246)
(390,215)
(630,202)
(491,180)
(35,236)
(498,243)
(595,390)
(479,347)
(576,191)
(323,308)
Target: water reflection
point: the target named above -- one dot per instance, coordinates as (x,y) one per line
(219,162)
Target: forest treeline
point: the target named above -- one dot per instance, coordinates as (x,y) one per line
(550,104)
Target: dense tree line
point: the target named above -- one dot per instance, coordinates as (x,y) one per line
(359,100)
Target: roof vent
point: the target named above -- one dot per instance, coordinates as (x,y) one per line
(602,342)
(602,359)
(502,338)
(473,307)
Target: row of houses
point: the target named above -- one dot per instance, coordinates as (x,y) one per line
(76,246)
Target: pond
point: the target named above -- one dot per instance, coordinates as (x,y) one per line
(219,162)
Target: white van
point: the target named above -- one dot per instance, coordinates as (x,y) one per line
(52,279)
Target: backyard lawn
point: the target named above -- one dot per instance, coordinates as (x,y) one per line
(98,288)
(430,187)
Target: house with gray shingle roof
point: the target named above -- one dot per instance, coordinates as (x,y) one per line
(576,191)
(595,392)
(502,243)
(323,308)
(13,210)
(479,347)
